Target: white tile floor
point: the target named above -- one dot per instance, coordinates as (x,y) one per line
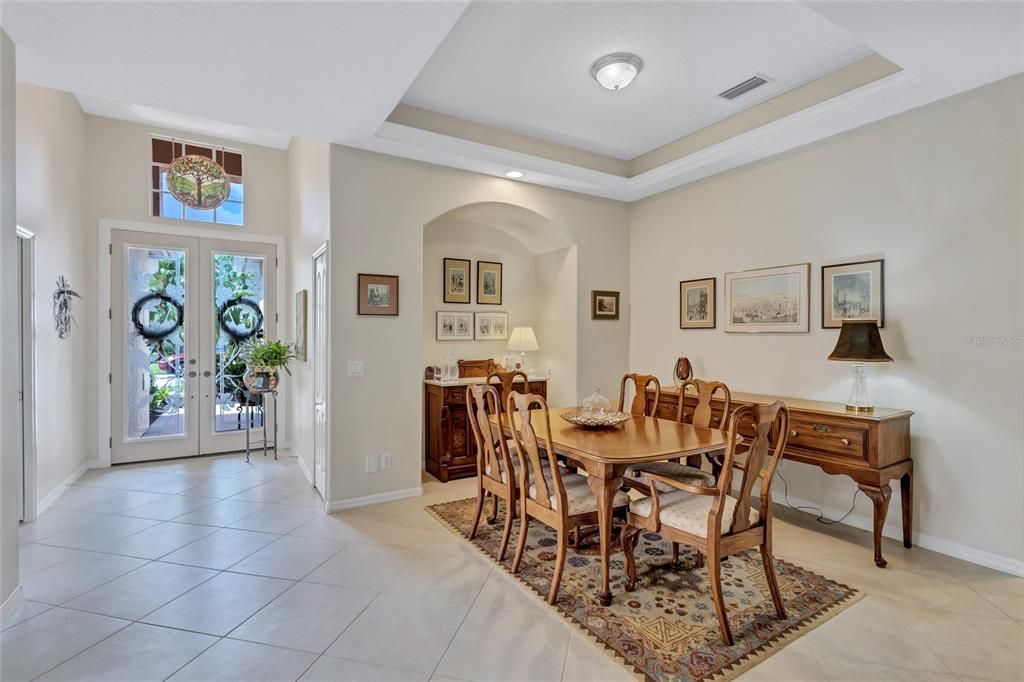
(211,569)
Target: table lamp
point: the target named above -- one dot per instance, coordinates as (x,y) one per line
(859,342)
(523,340)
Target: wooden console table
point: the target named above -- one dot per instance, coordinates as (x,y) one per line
(448,441)
(872,448)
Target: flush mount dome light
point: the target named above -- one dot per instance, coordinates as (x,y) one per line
(616,71)
(515,175)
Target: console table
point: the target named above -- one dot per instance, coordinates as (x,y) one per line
(872,448)
(448,441)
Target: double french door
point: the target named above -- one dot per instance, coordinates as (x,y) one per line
(181,310)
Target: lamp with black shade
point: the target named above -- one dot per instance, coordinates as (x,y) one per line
(859,342)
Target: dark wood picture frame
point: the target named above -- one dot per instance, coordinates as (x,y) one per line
(712,303)
(447,295)
(836,324)
(481,297)
(595,314)
(366,304)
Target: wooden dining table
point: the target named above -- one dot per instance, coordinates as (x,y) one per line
(605,453)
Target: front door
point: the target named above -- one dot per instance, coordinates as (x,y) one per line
(181,308)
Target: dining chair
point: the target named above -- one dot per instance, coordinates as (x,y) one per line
(709,518)
(558,499)
(639,406)
(506,379)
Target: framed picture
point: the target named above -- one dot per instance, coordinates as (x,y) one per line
(491,326)
(852,291)
(300,325)
(456,280)
(768,300)
(378,294)
(697,303)
(488,282)
(604,305)
(454,326)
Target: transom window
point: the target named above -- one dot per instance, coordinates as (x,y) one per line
(164,205)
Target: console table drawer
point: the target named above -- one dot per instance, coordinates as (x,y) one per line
(835,439)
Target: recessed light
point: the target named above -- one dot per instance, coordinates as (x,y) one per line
(515,175)
(616,71)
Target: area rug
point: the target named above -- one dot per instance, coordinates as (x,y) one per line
(666,630)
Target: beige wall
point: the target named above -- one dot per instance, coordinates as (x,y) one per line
(309,165)
(938,193)
(8,325)
(51,194)
(379,207)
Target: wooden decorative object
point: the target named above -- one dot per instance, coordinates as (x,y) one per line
(604,305)
(456,287)
(475,368)
(697,301)
(378,294)
(724,535)
(488,282)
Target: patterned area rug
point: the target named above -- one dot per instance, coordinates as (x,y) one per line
(667,628)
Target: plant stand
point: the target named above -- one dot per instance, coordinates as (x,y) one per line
(248,423)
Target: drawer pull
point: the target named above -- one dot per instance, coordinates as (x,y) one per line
(793,434)
(822,428)
(845,441)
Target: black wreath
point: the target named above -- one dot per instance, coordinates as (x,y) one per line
(245,302)
(141,328)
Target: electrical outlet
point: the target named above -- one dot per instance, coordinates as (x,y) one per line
(372,464)
(355,368)
(385,461)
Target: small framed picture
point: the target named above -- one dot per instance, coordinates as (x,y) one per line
(491,326)
(697,303)
(769,299)
(300,325)
(454,326)
(456,280)
(488,282)
(852,291)
(378,294)
(604,305)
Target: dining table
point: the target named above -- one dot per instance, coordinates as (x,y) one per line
(604,454)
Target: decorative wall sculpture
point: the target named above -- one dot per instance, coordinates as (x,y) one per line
(62,315)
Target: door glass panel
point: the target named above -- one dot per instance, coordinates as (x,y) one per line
(155,357)
(238,316)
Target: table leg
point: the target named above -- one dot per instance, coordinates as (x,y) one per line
(604,484)
(880,498)
(907,501)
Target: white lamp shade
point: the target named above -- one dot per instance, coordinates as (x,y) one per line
(522,339)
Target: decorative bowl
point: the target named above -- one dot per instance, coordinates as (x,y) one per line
(596,419)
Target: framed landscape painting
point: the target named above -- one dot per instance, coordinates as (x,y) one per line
(378,294)
(604,305)
(488,282)
(768,300)
(491,326)
(456,280)
(852,291)
(697,303)
(454,326)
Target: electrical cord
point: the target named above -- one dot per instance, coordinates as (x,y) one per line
(821,515)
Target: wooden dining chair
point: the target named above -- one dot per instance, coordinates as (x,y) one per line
(709,518)
(558,499)
(639,406)
(506,379)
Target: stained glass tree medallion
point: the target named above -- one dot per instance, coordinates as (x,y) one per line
(198,182)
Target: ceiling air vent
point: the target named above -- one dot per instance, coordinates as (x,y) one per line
(743,88)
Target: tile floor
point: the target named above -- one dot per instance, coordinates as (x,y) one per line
(210,569)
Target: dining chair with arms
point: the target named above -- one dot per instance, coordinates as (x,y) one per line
(709,518)
(556,498)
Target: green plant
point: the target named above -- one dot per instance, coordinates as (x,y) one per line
(262,353)
(158,396)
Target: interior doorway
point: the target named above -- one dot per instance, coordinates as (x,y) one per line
(26,377)
(321,322)
(181,309)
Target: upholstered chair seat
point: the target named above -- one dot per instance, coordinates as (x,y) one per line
(678,472)
(578,495)
(687,512)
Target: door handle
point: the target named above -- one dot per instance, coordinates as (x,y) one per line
(206,373)
(192,374)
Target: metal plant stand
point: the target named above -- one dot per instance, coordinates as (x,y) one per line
(248,423)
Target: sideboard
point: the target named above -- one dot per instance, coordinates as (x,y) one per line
(872,448)
(448,441)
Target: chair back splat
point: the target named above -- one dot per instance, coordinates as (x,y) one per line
(639,407)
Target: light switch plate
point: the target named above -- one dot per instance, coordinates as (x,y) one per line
(385,461)
(355,368)
(371,464)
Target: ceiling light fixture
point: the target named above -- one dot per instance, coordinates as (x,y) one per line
(616,71)
(515,175)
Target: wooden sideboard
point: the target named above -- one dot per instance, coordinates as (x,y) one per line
(872,448)
(448,441)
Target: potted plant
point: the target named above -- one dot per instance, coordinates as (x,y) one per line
(263,359)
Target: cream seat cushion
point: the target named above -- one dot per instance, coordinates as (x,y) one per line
(688,512)
(674,470)
(515,465)
(577,492)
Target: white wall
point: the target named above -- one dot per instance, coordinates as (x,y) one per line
(556,335)
(8,326)
(938,193)
(379,207)
(309,165)
(51,194)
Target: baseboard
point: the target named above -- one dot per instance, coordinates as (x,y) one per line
(302,466)
(923,540)
(391,496)
(44,504)
(11,601)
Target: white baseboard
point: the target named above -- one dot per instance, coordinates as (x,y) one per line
(923,540)
(12,601)
(55,494)
(302,466)
(391,496)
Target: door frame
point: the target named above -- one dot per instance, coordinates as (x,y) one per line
(325,251)
(27,325)
(103,310)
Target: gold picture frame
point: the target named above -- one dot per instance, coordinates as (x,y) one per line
(488,282)
(456,284)
(604,305)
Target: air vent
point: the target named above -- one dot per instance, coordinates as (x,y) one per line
(743,88)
